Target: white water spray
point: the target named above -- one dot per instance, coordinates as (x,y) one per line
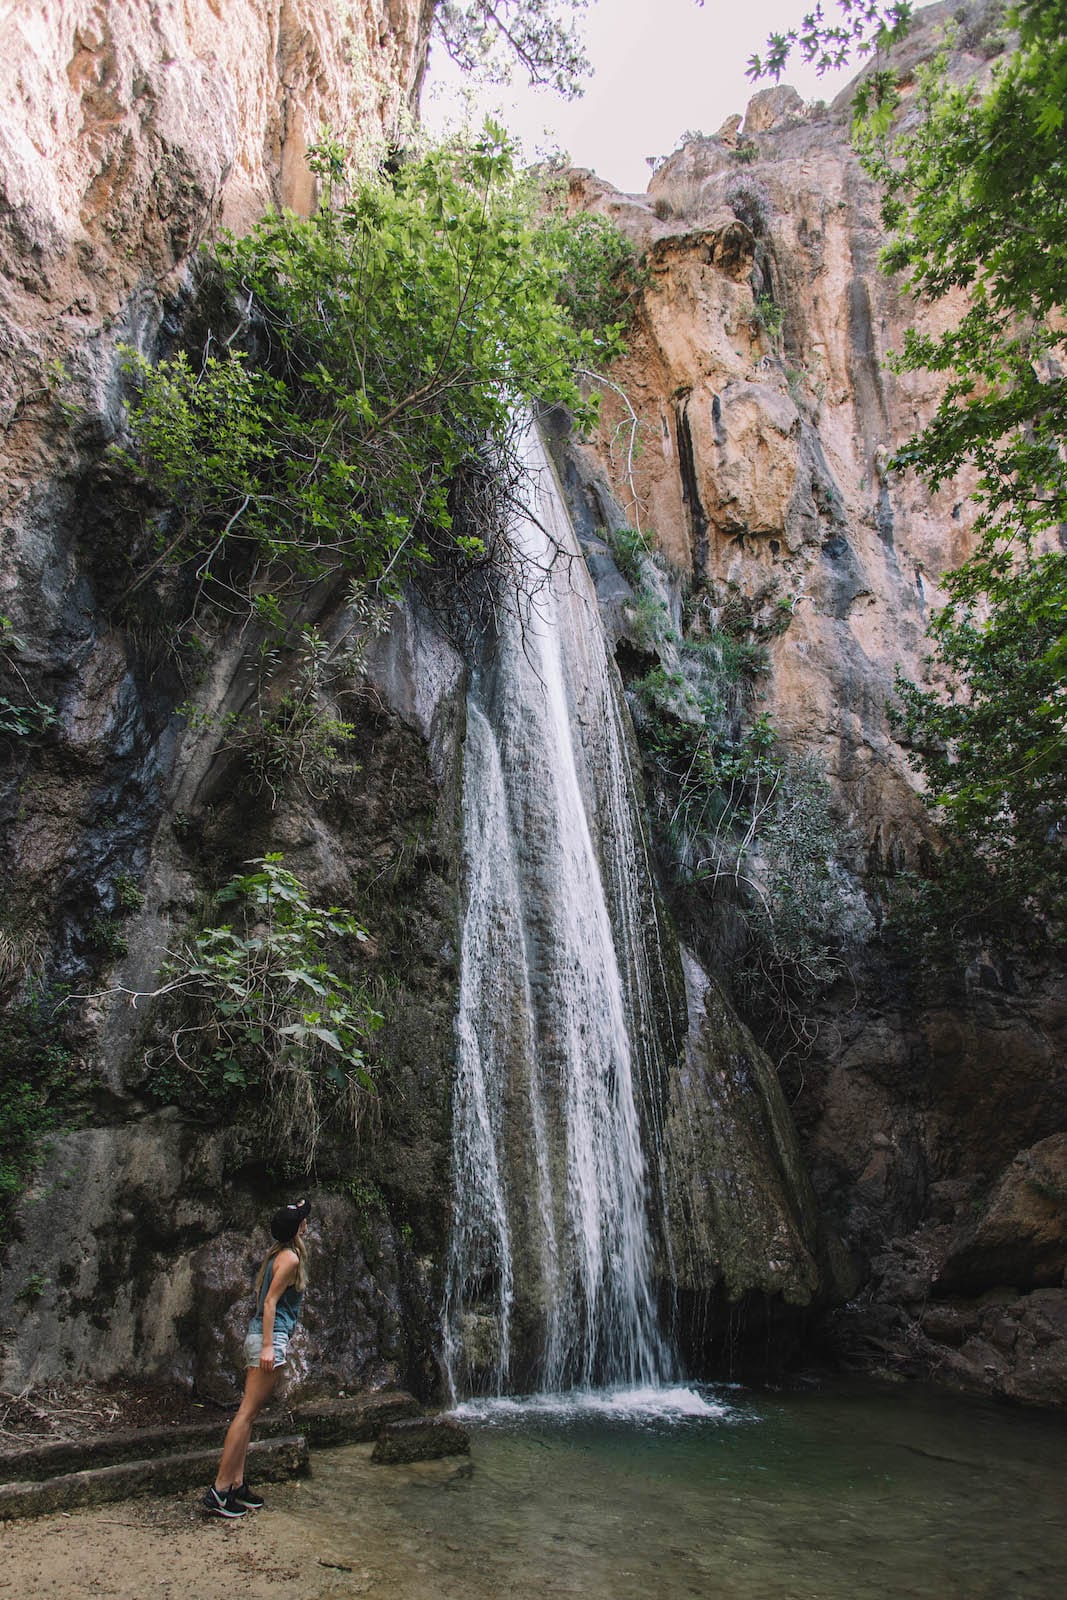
(550,1276)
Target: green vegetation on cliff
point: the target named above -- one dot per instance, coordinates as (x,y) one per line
(744,829)
(37,1082)
(365,354)
(976,200)
(256,1006)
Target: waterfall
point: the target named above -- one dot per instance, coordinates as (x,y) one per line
(559,1085)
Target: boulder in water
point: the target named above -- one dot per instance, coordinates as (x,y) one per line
(420,1439)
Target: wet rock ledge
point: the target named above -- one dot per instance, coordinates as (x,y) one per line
(420,1439)
(66,1474)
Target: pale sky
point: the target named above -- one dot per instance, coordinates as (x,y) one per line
(661,67)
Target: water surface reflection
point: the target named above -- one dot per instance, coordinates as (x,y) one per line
(846,1493)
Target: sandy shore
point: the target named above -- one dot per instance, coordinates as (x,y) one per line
(137,1549)
(351,1528)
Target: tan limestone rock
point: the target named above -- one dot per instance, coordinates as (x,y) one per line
(758,371)
(773,108)
(741,1213)
(131,130)
(749,472)
(728,133)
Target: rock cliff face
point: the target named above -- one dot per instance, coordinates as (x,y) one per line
(750,430)
(766,418)
(130,133)
(746,1257)
(133,134)
(928,1178)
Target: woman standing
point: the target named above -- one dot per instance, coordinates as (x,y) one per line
(279,1290)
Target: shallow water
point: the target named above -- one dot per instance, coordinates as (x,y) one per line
(837,1493)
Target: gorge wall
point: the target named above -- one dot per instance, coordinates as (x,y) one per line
(926,1191)
(130,134)
(751,432)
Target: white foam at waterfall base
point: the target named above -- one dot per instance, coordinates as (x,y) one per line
(647,1404)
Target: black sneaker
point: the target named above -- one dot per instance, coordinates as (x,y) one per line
(222,1505)
(242,1495)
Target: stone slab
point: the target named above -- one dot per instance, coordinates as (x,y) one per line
(63,1456)
(420,1439)
(270,1461)
(352,1420)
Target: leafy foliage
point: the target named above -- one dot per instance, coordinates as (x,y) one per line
(37,1080)
(23,719)
(976,196)
(488,37)
(800,906)
(25,715)
(264,1011)
(129,896)
(291,730)
(992,754)
(745,830)
(865,25)
(385,338)
(33,1288)
(295,732)
(711,775)
(599,275)
(105,936)
(747,827)
(630,549)
(770,316)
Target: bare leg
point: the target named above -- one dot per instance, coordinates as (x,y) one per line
(258,1388)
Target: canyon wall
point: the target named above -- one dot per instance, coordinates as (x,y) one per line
(130,134)
(930,1119)
(749,434)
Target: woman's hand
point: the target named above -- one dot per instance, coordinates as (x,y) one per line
(266,1359)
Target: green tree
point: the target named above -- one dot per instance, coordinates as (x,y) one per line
(257,1006)
(975,195)
(992,753)
(380,342)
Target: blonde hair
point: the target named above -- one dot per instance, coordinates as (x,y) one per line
(299,1249)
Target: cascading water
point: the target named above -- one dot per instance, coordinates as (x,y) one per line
(550,1276)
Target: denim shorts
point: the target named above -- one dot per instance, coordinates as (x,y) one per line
(254,1349)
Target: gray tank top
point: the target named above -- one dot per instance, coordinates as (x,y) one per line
(287,1311)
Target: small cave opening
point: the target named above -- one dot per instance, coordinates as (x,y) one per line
(633,662)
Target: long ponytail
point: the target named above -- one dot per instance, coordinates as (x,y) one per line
(299,1249)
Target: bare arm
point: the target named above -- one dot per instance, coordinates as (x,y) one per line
(286,1265)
